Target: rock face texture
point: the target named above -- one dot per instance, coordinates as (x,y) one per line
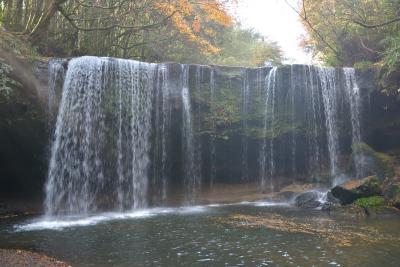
(23,136)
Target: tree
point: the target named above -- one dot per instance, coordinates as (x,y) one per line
(244,47)
(350,32)
(123,25)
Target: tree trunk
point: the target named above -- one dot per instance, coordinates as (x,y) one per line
(42,25)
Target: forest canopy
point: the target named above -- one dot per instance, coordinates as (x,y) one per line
(359,33)
(201,31)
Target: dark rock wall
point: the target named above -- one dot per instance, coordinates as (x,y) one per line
(25,130)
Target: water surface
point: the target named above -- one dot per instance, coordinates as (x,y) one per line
(212,235)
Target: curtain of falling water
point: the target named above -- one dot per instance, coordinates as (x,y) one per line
(265,174)
(213,167)
(327,77)
(245,110)
(191,175)
(56,76)
(106,104)
(353,92)
(161,145)
(100,155)
(317,95)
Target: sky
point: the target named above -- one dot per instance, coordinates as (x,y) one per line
(275,20)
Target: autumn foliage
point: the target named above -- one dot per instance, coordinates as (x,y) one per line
(192,19)
(187,31)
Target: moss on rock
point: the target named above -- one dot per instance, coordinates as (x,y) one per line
(368,202)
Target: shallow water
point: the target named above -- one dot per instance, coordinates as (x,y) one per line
(209,235)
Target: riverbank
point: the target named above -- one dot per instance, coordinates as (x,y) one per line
(22,258)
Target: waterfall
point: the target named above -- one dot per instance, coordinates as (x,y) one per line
(292,95)
(191,176)
(56,76)
(270,82)
(163,113)
(315,98)
(245,107)
(353,94)
(128,134)
(106,104)
(314,115)
(329,88)
(198,127)
(213,168)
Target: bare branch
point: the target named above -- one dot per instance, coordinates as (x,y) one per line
(114,26)
(305,19)
(372,26)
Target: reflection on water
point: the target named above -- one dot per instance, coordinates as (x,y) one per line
(243,234)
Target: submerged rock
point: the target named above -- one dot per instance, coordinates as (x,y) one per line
(348,211)
(382,212)
(354,189)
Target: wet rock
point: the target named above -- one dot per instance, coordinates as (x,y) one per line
(330,202)
(309,200)
(354,189)
(331,198)
(375,163)
(391,193)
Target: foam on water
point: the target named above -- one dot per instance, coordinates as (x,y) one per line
(63,222)
(59,223)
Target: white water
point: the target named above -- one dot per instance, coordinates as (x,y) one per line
(191,176)
(245,110)
(163,116)
(81,163)
(213,167)
(353,92)
(100,156)
(317,96)
(270,82)
(56,75)
(329,96)
(63,222)
(59,223)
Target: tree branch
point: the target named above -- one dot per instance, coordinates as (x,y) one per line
(372,26)
(305,19)
(110,27)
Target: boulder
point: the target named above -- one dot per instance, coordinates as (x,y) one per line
(354,189)
(309,200)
